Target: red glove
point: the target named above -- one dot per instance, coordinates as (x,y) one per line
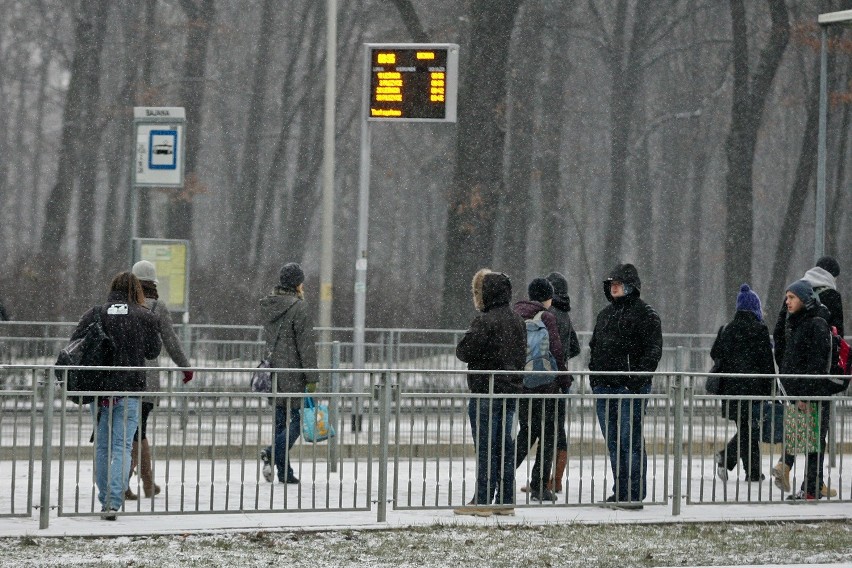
(187,376)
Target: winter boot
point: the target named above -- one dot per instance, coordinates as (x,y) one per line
(781,475)
(146,472)
(129,495)
(555,483)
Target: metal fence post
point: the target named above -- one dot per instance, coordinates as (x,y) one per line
(677,470)
(46,452)
(334,405)
(384,436)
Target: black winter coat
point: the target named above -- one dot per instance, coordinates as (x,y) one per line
(496,340)
(135,332)
(743,346)
(628,336)
(806,351)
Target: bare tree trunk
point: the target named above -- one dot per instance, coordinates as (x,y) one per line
(626,71)
(749,100)
(474,194)
(37,159)
(835,211)
(553,236)
(411,20)
(90,141)
(515,203)
(59,201)
(200,16)
(244,199)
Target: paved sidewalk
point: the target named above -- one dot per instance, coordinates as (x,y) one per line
(366,520)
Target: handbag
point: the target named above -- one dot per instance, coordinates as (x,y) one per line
(772,422)
(316,426)
(801,429)
(261,379)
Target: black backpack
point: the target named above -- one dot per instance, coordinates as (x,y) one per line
(93,349)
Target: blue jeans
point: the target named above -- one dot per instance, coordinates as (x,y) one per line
(491,425)
(621,424)
(115,427)
(285,437)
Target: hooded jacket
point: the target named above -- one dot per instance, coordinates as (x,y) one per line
(496,339)
(135,333)
(825,288)
(560,307)
(805,351)
(170,342)
(743,346)
(627,336)
(285,317)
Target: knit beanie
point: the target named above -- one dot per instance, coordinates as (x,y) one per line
(540,290)
(803,290)
(749,301)
(291,276)
(830,265)
(145,271)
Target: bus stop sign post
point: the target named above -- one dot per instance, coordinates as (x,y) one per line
(406,82)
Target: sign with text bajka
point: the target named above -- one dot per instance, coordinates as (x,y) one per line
(158,146)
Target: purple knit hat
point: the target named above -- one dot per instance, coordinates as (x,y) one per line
(749,301)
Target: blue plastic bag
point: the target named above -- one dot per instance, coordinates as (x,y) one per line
(316,425)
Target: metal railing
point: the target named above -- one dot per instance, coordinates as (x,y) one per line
(394,445)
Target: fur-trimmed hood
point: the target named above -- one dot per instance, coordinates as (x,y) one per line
(476,288)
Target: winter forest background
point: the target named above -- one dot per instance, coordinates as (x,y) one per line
(679,135)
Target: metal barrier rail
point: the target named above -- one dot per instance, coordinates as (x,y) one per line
(413,450)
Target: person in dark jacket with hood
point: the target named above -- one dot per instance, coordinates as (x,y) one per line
(627,338)
(289,334)
(537,416)
(743,346)
(806,351)
(822,279)
(495,341)
(571,348)
(135,333)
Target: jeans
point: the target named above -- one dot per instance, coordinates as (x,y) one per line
(621,424)
(115,427)
(813,481)
(491,424)
(537,421)
(285,437)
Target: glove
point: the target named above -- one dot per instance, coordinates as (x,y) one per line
(187,376)
(311,388)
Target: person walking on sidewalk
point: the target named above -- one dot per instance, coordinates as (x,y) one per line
(537,416)
(495,341)
(627,338)
(743,346)
(571,348)
(135,336)
(806,351)
(146,272)
(289,333)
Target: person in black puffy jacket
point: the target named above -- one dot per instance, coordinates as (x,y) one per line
(806,351)
(135,333)
(571,348)
(743,346)
(495,341)
(627,338)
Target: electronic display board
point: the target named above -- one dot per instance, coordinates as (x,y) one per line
(413,82)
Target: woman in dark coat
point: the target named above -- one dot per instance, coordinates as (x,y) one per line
(743,346)
(135,333)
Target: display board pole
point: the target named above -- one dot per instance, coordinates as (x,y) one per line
(358,359)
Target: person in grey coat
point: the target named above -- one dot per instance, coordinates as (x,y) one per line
(289,334)
(146,272)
